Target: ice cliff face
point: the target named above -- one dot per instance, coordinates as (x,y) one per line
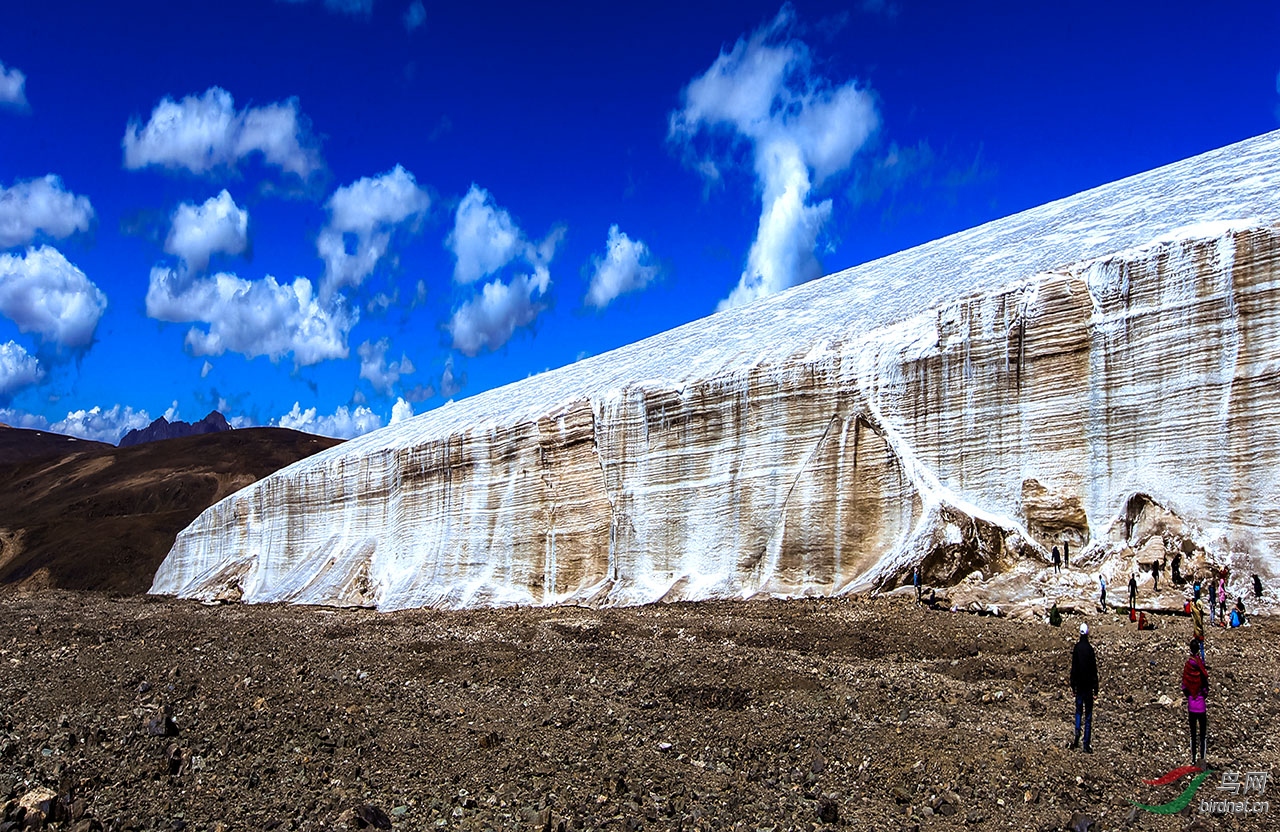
(1101,370)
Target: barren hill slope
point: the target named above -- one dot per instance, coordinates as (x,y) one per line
(102,517)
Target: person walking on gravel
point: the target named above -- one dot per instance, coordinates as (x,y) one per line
(1084,684)
(1195,684)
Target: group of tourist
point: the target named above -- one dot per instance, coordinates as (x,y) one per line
(1195,671)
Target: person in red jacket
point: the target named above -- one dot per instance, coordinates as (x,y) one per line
(1195,684)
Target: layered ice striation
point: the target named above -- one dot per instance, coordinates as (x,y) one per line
(1056,375)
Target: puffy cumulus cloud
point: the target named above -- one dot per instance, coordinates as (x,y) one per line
(368,210)
(42,292)
(96,423)
(355,8)
(374,366)
(488,320)
(13,83)
(41,206)
(400,411)
(259,317)
(18,369)
(484,238)
(343,423)
(415,15)
(197,232)
(800,128)
(206,134)
(625,267)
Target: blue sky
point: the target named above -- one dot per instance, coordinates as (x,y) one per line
(330,214)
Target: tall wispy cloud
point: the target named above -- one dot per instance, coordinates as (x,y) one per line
(207,135)
(18,369)
(41,206)
(197,232)
(625,267)
(484,241)
(251,317)
(13,89)
(415,15)
(377,371)
(367,211)
(42,292)
(801,129)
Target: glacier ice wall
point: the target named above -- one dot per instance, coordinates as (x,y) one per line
(962,405)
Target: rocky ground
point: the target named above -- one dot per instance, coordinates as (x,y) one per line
(128,712)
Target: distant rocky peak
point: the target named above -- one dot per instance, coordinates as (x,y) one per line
(162,428)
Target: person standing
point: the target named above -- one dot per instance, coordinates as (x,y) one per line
(1257,586)
(1057,561)
(1213,597)
(1102,587)
(1195,684)
(1084,684)
(915,579)
(1133,591)
(1066,553)
(1197,626)
(1222,597)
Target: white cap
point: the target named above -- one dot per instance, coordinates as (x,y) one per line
(1084,629)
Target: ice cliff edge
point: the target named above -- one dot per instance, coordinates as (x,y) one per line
(1101,370)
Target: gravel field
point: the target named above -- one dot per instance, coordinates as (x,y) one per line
(131,712)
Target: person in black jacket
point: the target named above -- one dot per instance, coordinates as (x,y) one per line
(1084,683)
(1133,591)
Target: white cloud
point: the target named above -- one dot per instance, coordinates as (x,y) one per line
(484,237)
(488,320)
(450,385)
(95,423)
(415,15)
(801,130)
(625,267)
(342,424)
(374,366)
(18,369)
(13,88)
(260,317)
(484,240)
(206,369)
(199,231)
(42,292)
(41,206)
(369,209)
(355,8)
(400,411)
(206,134)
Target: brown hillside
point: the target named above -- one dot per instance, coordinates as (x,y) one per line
(103,517)
(18,444)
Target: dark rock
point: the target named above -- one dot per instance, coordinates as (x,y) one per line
(162,726)
(828,810)
(367,816)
